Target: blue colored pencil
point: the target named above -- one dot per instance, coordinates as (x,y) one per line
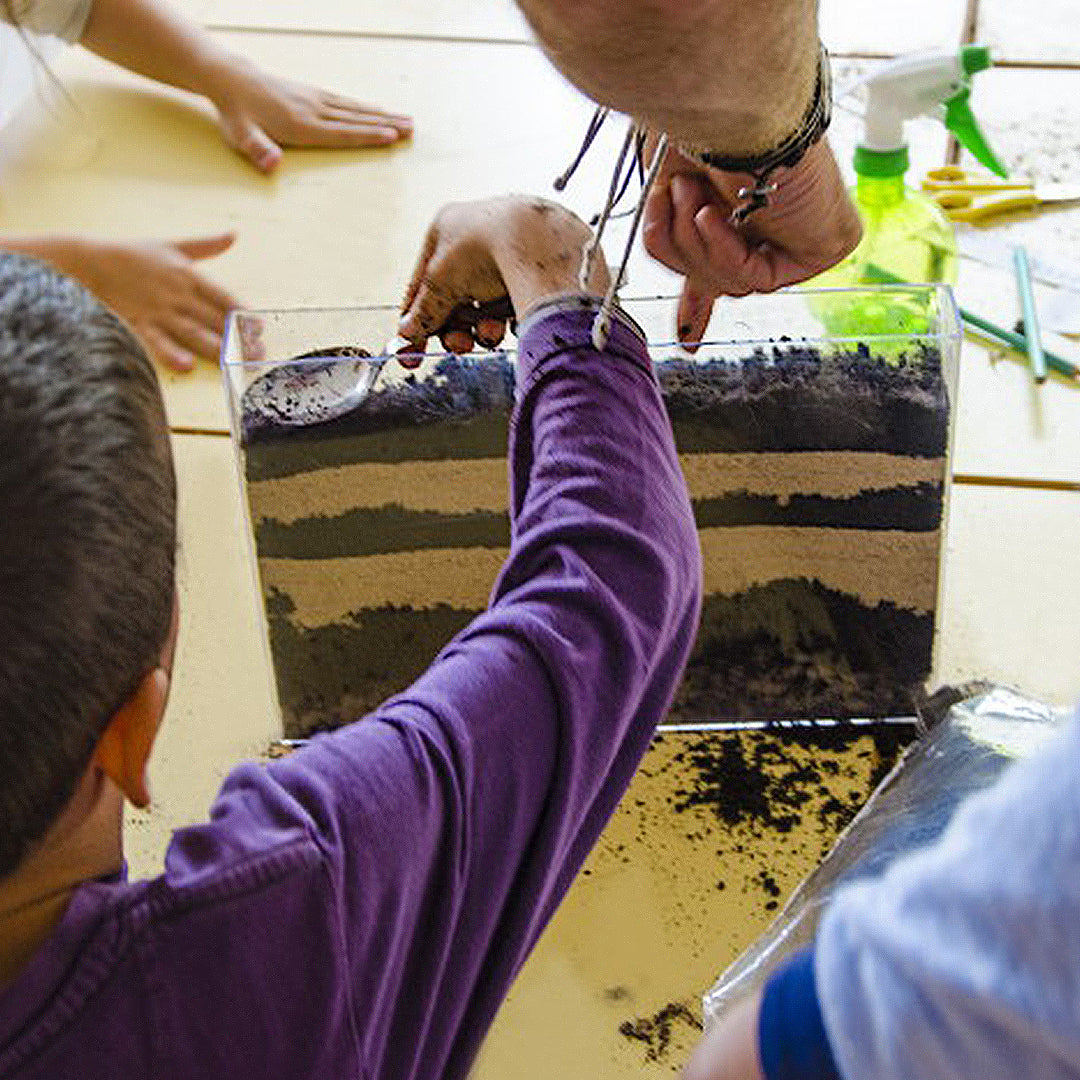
(1032,337)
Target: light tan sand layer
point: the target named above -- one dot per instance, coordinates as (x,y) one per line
(873,566)
(451,487)
(481,484)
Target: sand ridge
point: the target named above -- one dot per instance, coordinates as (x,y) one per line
(461,486)
(874,567)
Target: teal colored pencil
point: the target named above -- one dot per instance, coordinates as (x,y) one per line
(1019,342)
(1031,321)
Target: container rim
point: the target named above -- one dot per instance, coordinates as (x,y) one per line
(948,316)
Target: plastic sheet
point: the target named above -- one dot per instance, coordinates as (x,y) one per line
(964,752)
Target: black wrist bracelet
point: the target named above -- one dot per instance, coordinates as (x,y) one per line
(790,152)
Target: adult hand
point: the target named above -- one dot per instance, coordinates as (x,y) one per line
(260,113)
(808,225)
(730,1049)
(177,313)
(479,253)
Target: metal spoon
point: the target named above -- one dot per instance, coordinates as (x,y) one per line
(316,387)
(327,383)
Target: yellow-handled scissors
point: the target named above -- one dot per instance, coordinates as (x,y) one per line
(977,199)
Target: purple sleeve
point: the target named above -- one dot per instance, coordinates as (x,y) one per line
(453,819)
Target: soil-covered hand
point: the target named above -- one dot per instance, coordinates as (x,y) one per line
(153,285)
(808,225)
(477,254)
(260,113)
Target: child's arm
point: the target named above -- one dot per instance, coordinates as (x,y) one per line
(259,112)
(178,314)
(451,821)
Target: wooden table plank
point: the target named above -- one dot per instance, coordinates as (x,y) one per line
(221,709)
(845,25)
(1041,32)
(488,20)
(686,875)
(1010,593)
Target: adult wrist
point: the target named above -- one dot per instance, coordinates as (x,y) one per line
(756,168)
(789,148)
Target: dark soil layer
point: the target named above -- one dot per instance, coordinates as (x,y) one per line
(373,531)
(334,674)
(791,399)
(380,531)
(795,400)
(459,409)
(787,650)
(796,650)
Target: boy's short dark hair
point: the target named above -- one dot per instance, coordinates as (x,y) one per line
(87,538)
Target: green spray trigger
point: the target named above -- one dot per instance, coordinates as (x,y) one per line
(960,120)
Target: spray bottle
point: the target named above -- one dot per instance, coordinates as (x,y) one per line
(905,233)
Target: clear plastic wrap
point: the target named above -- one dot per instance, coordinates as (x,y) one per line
(960,754)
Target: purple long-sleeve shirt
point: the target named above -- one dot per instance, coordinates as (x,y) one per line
(359,908)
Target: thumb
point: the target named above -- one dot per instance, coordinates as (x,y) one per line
(248,139)
(433,298)
(205,247)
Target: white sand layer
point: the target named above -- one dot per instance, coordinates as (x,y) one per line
(461,486)
(871,566)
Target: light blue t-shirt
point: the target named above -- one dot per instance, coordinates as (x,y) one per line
(963,961)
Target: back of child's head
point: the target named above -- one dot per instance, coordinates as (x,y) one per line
(87,540)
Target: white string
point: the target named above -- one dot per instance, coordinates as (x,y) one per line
(601,327)
(592,245)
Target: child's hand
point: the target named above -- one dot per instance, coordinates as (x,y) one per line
(177,313)
(517,246)
(260,113)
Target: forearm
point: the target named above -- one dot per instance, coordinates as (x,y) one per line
(595,477)
(729,75)
(69,255)
(461,809)
(152,39)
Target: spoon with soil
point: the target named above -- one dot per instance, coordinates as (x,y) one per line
(324,384)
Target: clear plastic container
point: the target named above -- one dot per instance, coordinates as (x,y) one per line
(300,494)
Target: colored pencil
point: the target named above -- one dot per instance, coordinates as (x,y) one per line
(1031,321)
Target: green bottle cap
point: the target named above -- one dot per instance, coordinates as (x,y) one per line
(974,58)
(881,162)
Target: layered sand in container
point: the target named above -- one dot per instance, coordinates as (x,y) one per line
(817,467)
